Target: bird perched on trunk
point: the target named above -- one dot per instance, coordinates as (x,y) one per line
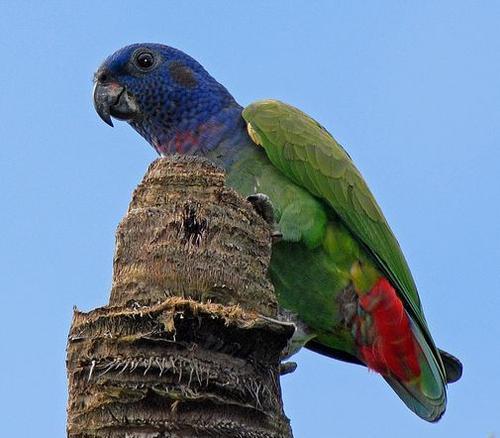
(337,268)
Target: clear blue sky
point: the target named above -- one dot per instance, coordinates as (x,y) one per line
(412,89)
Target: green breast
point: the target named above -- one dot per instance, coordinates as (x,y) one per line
(311,266)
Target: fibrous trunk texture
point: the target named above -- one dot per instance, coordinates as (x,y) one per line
(187,346)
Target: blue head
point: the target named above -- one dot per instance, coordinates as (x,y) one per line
(167,96)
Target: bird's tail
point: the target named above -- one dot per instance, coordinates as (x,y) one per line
(426,394)
(391,343)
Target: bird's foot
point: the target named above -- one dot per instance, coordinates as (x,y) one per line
(263,206)
(276,235)
(287,367)
(265,209)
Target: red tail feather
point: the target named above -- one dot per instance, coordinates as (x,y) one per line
(393,350)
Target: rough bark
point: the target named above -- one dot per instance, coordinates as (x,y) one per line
(187,346)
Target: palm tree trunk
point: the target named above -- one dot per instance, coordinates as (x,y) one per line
(188,345)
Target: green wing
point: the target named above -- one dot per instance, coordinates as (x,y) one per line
(306,153)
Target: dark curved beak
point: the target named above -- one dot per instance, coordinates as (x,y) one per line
(113,100)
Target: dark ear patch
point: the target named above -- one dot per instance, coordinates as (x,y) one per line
(182,74)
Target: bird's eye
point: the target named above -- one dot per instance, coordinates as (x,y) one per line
(145,60)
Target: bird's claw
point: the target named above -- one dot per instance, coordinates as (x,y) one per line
(263,206)
(276,236)
(287,368)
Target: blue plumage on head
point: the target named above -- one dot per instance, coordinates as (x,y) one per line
(182,108)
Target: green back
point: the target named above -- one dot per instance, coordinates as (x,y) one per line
(307,154)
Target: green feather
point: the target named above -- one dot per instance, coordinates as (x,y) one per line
(307,154)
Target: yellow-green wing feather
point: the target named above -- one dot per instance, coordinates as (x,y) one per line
(306,153)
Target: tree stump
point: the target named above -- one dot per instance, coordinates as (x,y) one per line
(188,345)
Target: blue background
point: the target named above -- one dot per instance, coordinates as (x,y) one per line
(410,88)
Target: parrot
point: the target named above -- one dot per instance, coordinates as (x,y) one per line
(336,266)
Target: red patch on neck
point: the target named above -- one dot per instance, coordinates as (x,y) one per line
(393,350)
(185,141)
